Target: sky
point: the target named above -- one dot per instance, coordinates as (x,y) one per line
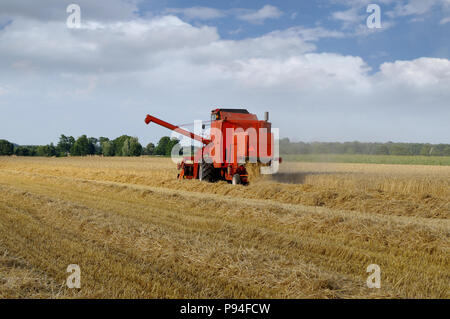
(316,66)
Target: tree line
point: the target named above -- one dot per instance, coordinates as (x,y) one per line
(390,148)
(129,146)
(69,146)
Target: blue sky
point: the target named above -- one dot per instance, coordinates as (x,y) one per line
(411,36)
(315,65)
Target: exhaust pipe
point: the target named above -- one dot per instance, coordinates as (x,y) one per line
(266,116)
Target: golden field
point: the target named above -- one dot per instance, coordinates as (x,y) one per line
(137,232)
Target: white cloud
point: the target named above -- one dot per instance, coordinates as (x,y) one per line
(236,31)
(308,34)
(417,8)
(363,30)
(445,20)
(266,12)
(311,71)
(419,73)
(98,46)
(208,13)
(200,13)
(350,15)
(414,7)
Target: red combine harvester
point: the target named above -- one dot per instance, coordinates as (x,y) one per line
(236,138)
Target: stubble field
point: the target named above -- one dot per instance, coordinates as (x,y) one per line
(137,232)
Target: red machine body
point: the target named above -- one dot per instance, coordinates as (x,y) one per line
(237,137)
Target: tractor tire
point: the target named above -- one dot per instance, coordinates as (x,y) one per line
(206,172)
(236,179)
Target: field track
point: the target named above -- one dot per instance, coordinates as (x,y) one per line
(135,231)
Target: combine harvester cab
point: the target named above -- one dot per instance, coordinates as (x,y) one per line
(237,138)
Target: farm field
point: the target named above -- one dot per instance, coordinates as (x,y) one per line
(370,159)
(137,232)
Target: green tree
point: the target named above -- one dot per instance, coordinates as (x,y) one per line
(150,149)
(165,146)
(6,148)
(101,141)
(82,147)
(96,145)
(172,144)
(118,145)
(22,151)
(64,145)
(107,148)
(162,145)
(131,147)
(399,149)
(425,150)
(446,151)
(381,150)
(125,147)
(135,148)
(46,150)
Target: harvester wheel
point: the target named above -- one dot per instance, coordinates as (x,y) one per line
(206,172)
(236,179)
